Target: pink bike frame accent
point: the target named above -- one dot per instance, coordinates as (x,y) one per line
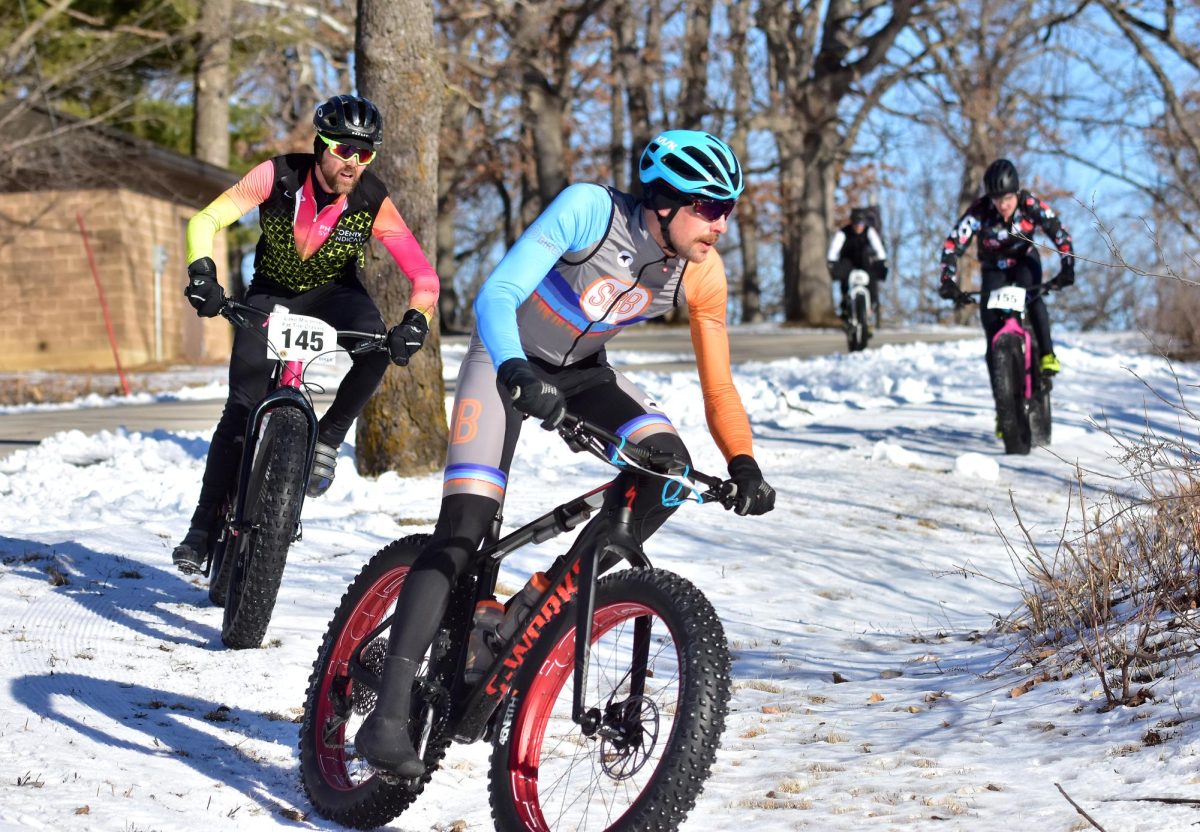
(1012,326)
(293,373)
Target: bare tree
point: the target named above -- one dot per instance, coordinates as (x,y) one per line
(694,108)
(637,67)
(210,130)
(1170,34)
(747,215)
(542,37)
(403,426)
(818,54)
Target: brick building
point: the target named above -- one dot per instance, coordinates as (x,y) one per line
(133,199)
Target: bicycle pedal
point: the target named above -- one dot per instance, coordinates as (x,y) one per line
(394,779)
(188,567)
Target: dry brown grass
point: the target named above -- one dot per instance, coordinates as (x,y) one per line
(1119,594)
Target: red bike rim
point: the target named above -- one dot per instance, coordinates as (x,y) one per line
(556,672)
(372,607)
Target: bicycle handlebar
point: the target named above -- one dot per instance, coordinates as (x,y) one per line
(233,312)
(967,298)
(577,432)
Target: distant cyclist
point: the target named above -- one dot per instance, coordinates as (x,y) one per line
(317,211)
(595,261)
(857,245)
(1003,222)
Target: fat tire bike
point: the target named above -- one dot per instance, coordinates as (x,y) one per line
(1020,389)
(260,519)
(859,310)
(613,729)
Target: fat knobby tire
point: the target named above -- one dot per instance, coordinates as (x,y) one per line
(361,800)
(860,331)
(703,702)
(1040,418)
(1008,380)
(273,499)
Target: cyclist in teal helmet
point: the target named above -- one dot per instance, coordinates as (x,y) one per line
(689,167)
(594,262)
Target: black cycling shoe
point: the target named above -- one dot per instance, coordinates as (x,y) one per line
(383,739)
(324,461)
(190,554)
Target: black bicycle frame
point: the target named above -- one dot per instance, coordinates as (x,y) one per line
(281,395)
(571,577)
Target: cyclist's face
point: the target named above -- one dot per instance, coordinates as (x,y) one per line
(340,176)
(693,235)
(1005,204)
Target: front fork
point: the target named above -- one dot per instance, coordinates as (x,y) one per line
(619,542)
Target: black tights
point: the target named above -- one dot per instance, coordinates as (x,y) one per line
(1027,273)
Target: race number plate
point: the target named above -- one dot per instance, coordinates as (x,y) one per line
(858,277)
(1007,297)
(301,338)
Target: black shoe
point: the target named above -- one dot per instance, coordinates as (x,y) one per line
(384,740)
(189,556)
(324,461)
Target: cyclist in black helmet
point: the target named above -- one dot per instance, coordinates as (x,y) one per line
(317,210)
(857,246)
(1002,222)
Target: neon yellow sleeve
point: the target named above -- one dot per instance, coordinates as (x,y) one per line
(228,208)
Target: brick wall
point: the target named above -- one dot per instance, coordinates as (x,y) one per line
(50,314)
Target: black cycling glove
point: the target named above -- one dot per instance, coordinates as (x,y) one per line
(203,291)
(530,394)
(1066,275)
(948,289)
(406,337)
(753,495)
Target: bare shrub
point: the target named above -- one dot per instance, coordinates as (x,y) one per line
(1119,595)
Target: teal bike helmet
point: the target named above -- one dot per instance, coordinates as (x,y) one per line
(693,163)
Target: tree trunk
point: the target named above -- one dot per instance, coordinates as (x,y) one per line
(452,163)
(747,214)
(403,427)
(637,69)
(814,291)
(547,115)
(695,69)
(210,125)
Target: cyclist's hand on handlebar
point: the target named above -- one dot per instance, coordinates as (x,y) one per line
(203,291)
(1065,277)
(406,337)
(753,495)
(948,289)
(530,394)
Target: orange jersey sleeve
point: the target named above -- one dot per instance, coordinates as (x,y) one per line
(706,289)
(251,190)
(391,230)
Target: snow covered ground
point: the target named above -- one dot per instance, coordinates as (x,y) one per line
(121,711)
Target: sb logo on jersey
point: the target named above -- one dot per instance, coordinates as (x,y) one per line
(613,300)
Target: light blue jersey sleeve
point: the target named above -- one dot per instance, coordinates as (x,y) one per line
(576,219)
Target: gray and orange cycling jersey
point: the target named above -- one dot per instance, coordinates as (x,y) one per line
(303,245)
(587,268)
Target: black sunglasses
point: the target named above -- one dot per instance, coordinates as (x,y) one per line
(712,210)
